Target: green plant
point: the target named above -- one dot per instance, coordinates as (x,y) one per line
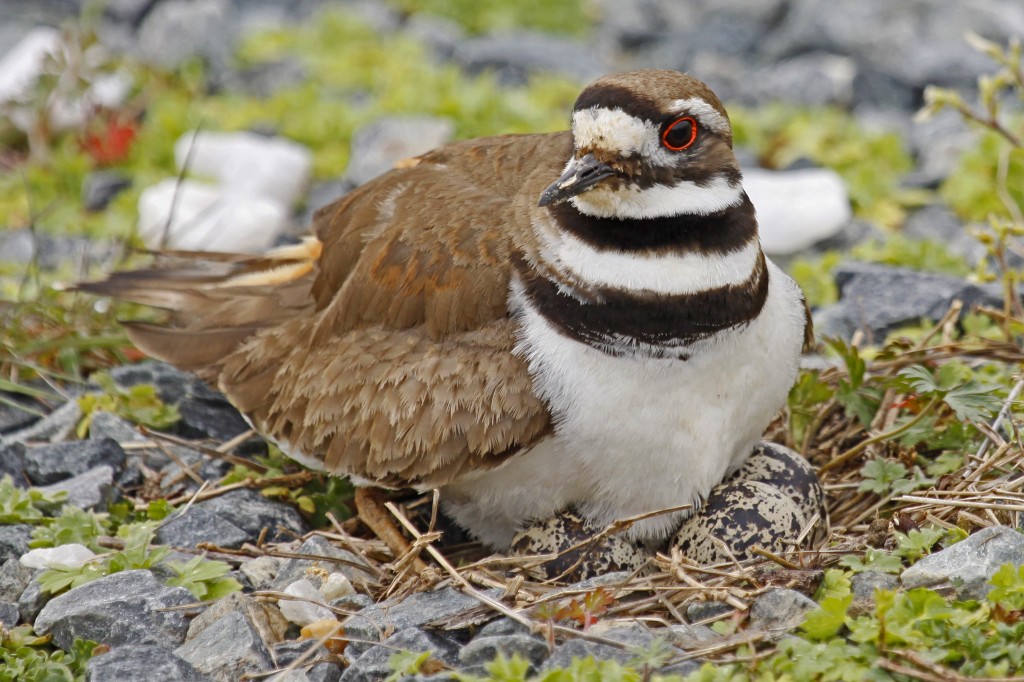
(73,525)
(26,506)
(139,404)
(480,16)
(206,580)
(27,658)
(139,552)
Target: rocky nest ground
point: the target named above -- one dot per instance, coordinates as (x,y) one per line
(146,531)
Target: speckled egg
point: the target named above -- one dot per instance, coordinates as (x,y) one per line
(558,534)
(787,471)
(742,515)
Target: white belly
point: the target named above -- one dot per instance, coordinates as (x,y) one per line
(634,435)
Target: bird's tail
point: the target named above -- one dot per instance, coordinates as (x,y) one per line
(216,300)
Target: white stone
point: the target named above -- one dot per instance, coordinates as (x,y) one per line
(309,608)
(796,209)
(22,66)
(336,585)
(72,554)
(208,218)
(264,167)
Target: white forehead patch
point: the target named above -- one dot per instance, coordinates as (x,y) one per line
(614,130)
(703,111)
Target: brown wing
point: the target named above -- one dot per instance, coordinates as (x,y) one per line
(391,358)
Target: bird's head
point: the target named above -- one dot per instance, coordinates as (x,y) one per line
(648,144)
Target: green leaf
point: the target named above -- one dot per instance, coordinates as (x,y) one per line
(873,560)
(1008,587)
(879,476)
(828,619)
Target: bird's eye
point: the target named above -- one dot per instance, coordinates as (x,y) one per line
(680,134)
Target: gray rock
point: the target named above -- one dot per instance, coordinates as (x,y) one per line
(854,232)
(57,425)
(229,648)
(937,222)
(250,511)
(503,626)
(780,610)
(441,35)
(373,623)
(12,456)
(14,540)
(689,636)
(51,251)
(130,607)
(864,584)
(372,665)
(93,489)
(32,601)
(378,146)
(482,650)
(10,614)
(938,143)
(517,54)
(178,30)
(287,653)
(55,462)
(14,578)
(969,563)
(261,571)
(265,79)
(879,298)
(352,603)
(813,79)
(333,560)
(129,12)
(265,618)
(140,660)
(12,418)
(100,187)
(109,425)
(706,610)
(200,525)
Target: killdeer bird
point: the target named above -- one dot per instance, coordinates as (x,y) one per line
(528,322)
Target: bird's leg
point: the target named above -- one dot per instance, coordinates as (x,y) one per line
(371,510)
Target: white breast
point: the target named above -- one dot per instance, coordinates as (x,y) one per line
(634,435)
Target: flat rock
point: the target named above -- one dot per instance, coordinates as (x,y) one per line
(373,623)
(131,607)
(93,489)
(252,512)
(780,610)
(199,524)
(229,648)
(141,660)
(14,540)
(969,563)
(689,636)
(878,299)
(46,464)
(372,665)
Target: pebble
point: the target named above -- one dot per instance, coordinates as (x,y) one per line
(483,650)
(372,665)
(968,564)
(14,578)
(263,616)
(308,608)
(865,583)
(9,614)
(53,462)
(14,539)
(334,559)
(252,512)
(130,607)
